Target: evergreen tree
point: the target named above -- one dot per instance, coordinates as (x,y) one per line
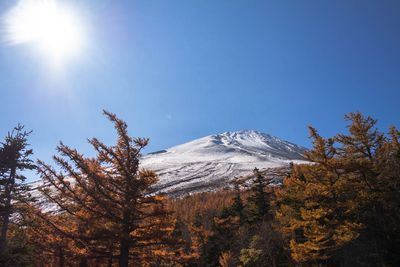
(238,206)
(106,204)
(14,160)
(258,205)
(236,209)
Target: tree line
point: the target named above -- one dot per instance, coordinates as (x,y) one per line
(342,209)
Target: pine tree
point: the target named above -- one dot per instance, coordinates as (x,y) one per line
(258,205)
(106,203)
(14,160)
(238,206)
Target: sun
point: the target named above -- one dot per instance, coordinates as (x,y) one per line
(53,28)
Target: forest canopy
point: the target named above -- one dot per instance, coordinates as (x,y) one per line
(341,209)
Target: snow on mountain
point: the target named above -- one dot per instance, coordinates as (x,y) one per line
(211,162)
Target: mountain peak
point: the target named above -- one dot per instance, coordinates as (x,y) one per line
(262,142)
(214,159)
(244,132)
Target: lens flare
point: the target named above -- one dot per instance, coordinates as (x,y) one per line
(53,28)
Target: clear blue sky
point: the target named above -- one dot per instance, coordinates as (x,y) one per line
(179,70)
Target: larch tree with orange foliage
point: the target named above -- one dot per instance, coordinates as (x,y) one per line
(347,201)
(106,204)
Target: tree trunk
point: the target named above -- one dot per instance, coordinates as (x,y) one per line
(7,211)
(124,254)
(4,230)
(61,255)
(83,262)
(110,258)
(124,241)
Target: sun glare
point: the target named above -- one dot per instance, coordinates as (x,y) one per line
(51,27)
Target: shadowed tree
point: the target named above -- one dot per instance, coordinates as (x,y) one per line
(237,207)
(14,160)
(258,204)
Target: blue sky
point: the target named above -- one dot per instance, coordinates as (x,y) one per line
(179,70)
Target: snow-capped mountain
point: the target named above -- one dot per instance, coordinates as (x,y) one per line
(213,161)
